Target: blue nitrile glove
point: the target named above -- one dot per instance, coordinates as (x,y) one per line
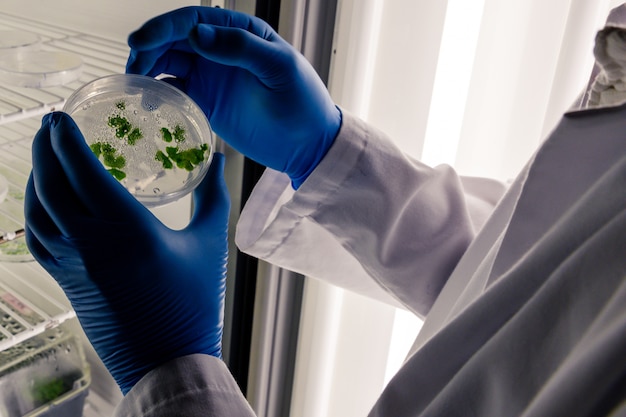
(144,294)
(259,93)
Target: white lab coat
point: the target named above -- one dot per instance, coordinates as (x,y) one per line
(525,306)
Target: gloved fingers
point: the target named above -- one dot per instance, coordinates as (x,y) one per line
(98,191)
(150,61)
(44,240)
(49,186)
(162,32)
(172,62)
(177,24)
(176,82)
(38,222)
(66,267)
(55,263)
(38,219)
(42,228)
(240,48)
(39,251)
(211,201)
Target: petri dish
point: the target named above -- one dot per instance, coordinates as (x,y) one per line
(14,40)
(39,69)
(149,135)
(15,250)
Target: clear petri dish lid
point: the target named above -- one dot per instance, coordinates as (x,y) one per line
(39,69)
(13,40)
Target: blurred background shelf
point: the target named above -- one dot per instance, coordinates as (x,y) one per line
(100,57)
(30,301)
(34,311)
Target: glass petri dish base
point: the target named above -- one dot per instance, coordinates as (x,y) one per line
(148,134)
(39,69)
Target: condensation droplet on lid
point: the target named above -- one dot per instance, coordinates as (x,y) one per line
(156,190)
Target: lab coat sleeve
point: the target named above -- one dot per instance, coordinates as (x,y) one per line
(194,385)
(368,219)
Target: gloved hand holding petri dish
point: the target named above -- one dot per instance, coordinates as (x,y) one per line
(148,134)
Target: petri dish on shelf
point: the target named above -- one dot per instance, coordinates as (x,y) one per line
(18,40)
(149,135)
(15,250)
(13,246)
(39,69)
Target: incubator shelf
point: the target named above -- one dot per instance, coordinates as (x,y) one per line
(30,300)
(32,305)
(100,57)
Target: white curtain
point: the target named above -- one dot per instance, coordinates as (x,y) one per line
(476,84)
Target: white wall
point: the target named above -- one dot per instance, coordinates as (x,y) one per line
(113,19)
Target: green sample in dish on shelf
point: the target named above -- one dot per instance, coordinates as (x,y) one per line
(14,248)
(47,390)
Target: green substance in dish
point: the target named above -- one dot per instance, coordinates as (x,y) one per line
(119,175)
(162,158)
(166,134)
(134,136)
(123,127)
(109,154)
(16,194)
(14,248)
(111,159)
(178,135)
(187,159)
(45,391)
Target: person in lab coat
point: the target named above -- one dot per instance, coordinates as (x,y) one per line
(523,288)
